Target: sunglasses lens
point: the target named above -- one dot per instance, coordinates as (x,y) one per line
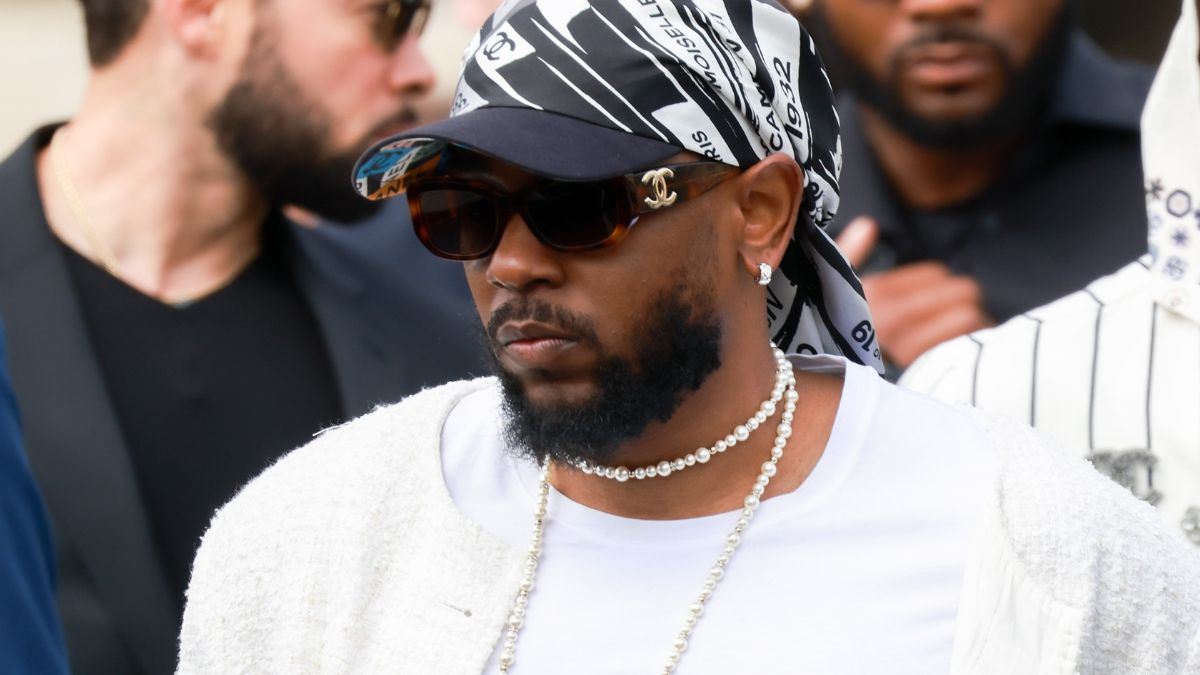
(454,223)
(398,18)
(578,215)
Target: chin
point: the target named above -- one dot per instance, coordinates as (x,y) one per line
(963,105)
(549,393)
(949,107)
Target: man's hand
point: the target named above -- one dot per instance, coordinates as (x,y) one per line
(915,306)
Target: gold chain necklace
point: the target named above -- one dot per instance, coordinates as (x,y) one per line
(79,212)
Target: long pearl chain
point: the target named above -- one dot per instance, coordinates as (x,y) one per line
(783,432)
(702,455)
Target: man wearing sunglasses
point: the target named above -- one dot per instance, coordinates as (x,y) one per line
(639,191)
(171,333)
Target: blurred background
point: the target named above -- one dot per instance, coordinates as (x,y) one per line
(44,60)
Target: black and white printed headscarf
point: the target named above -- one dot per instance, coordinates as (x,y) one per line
(732,80)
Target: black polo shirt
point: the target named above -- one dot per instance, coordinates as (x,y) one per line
(1069,209)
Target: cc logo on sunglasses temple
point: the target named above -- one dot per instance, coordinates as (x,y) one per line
(663,195)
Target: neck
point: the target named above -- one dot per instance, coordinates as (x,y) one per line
(178,219)
(932,178)
(727,399)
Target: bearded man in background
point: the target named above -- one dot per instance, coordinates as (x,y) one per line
(171,333)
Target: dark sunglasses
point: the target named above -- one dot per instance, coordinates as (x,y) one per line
(395,19)
(463,219)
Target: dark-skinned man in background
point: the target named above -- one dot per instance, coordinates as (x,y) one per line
(171,334)
(991,159)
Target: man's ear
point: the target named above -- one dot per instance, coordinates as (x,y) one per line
(198,26)
(770,196)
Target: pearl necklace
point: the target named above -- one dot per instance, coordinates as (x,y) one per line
(701,456)
(516,617)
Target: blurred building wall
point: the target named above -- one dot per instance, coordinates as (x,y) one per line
(43,65)
(43,60)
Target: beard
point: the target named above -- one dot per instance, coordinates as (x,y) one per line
(677,346)
(1028,92)
(281,139)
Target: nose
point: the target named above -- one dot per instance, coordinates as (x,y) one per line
(940,10)
(410,73)
(521,262)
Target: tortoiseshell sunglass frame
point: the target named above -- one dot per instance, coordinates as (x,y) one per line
(644,192)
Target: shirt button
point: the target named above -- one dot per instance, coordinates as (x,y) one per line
(1177,298)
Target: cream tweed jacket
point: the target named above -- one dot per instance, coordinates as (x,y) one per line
(348,556)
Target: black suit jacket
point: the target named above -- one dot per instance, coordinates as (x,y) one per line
(385,340)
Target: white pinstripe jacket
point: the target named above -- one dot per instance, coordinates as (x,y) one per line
(1108,372)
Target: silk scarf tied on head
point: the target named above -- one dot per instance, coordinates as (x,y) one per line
(732,80)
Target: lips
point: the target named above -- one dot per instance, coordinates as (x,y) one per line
(949,64)
(531,345)
(526,331)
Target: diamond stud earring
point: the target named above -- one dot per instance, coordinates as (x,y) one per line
(764,274)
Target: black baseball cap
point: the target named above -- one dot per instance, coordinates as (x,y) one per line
(541,142)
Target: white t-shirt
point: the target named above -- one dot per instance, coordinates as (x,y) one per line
(858,571)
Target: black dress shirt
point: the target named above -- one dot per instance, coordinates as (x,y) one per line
(1068,209)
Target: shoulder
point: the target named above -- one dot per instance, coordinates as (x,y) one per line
(950,371)
(926,418)
(365,277)
(390,452)
(385,245)
(1099,90)
(1056,501)
(944,444)
(1089,544)
(380,257)
(315,526)
(24,234)
(20,162)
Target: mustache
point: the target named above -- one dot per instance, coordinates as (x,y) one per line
(933,34)
(576,325)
